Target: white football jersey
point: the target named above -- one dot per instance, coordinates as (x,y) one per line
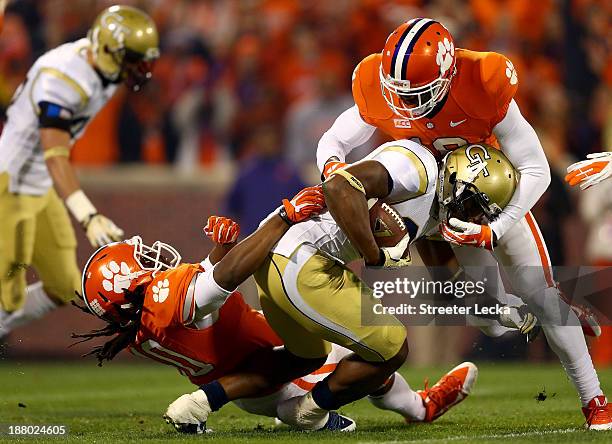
(62,77)
(413,170)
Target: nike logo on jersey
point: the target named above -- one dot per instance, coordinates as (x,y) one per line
(454,124)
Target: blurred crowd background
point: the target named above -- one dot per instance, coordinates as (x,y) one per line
(245,88)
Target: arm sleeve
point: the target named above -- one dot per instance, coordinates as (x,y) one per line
(208,295)
(520,143)
(348,132)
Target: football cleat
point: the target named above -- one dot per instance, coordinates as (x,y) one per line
(188,413)
(597,414)
(339,423)
(449,391)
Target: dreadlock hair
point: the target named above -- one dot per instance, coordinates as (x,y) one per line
(123,333)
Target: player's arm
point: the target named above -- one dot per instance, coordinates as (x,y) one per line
(348,132)
(520,143)
(56,98)
(215,285)
(346,193)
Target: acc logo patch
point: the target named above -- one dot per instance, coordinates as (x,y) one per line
(402,123)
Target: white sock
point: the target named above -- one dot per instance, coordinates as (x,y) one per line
(302,412)
(37,304)
(401,399)
(583,375)
(566,339)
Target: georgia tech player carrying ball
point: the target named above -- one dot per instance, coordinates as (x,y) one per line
(421,88)
(62,91)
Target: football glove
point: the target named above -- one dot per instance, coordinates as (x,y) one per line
(590,172)
(100,230)
(188,413)
(307,203)
(332,166)
(222,230)
(392,257)
(459,232)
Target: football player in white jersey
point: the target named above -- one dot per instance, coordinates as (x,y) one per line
(61,93)
(311,299)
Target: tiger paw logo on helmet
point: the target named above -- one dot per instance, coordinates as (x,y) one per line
(444,58)
(161,291)
(116,277)
(511,73)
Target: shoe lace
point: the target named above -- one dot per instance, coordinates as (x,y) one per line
(440,393)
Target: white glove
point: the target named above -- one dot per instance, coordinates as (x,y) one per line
(188,414)
(393,255)
(590,172)
(99,229)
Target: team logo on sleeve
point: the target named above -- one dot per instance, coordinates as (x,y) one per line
(161,290)
(511,73)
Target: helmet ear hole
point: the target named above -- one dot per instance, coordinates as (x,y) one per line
(452,178)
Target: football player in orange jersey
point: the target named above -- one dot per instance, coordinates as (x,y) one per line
(421,87)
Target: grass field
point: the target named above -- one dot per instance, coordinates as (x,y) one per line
(124,403)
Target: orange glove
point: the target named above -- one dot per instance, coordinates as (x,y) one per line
(307,203)
(332,166)
(222,230)
(459,232)
(590,172)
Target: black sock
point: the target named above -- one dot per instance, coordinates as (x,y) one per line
(216,395)
(323,396)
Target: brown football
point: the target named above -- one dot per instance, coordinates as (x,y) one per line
(387,225)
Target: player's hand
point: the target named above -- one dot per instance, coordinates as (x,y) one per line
(100,230)
(188,414)
(222,230)
(393,257)
(307,203)
(459,232)
(590,172)
(332,166)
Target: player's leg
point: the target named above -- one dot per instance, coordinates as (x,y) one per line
(480,265)
(314,295)
(428,404)
(523,254)
(17,240)
(54,257)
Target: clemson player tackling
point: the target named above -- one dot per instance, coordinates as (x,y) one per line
(421,87)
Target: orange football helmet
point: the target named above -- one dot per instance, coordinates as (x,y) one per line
(121,267)
(418,64)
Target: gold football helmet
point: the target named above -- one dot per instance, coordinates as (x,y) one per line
(124,44)
(475,183)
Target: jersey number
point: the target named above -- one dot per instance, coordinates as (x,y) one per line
(443,144)
(186,366)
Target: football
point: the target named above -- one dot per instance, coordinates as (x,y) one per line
(387,225)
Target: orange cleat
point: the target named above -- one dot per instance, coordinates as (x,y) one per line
(597,414)
(450,390)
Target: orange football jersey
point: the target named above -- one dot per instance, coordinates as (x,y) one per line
(203,350)
(479,97)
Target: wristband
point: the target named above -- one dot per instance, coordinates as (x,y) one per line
(80,206)
(282,212)
(56,151)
